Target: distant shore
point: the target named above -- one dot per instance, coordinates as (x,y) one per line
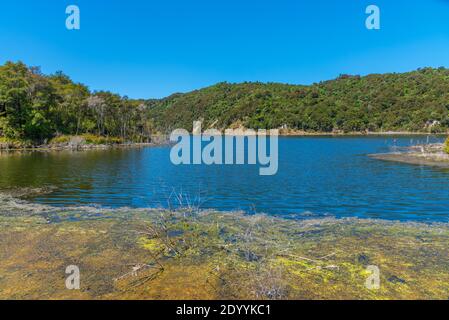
(161,139)
(300,133)
(47,148)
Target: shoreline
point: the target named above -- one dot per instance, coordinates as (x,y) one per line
(15,200)
(410,158)
(207,255)
(158,140)
(78,148)
(432,155)
(358,134)
(162,140)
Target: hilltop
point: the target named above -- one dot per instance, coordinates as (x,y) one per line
(416,101)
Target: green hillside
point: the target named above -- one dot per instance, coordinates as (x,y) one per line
(396,102)
(37,107)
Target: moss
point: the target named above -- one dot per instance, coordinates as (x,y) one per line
(153,245)
(217,256)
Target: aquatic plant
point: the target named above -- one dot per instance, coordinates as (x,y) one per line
(165,254)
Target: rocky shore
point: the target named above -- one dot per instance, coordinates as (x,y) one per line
(78,143)
(430,155)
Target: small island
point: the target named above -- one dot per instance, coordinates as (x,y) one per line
(436,154)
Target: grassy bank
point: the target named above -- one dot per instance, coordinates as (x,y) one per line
(60,141)
(76,142)
(158,254)
(85,139)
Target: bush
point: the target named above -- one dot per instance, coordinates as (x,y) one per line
(446,146)
(8,143)
(93,139)
(86,139)
(60,139)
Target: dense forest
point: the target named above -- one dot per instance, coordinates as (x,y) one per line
(414,101)
(38,107)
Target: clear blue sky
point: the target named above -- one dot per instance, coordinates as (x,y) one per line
(147,48)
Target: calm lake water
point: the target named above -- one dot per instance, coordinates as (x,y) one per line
(316,176)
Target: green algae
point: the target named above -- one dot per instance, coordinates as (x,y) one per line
(158,254)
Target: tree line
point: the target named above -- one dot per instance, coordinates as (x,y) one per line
(416,101)
(37,107)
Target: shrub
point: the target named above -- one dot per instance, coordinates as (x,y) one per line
(60,139)
(8,143)
(86,139)
(93,139)
(446,146)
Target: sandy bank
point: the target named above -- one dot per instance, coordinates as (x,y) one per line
(429,155)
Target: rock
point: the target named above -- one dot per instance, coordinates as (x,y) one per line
(363,259)
(395,279)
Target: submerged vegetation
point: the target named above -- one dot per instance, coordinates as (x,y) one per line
(35,107)
(189,254)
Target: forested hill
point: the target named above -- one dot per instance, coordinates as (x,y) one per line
(379,102)
(36,107)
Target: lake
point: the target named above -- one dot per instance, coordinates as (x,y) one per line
(317,176)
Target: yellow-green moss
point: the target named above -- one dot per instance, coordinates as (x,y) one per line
(153,245)
(166,255)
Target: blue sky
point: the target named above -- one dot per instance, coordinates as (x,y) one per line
(150,49)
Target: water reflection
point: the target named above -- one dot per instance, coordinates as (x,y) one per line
(318,175)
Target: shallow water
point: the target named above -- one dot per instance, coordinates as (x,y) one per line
(316,176)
